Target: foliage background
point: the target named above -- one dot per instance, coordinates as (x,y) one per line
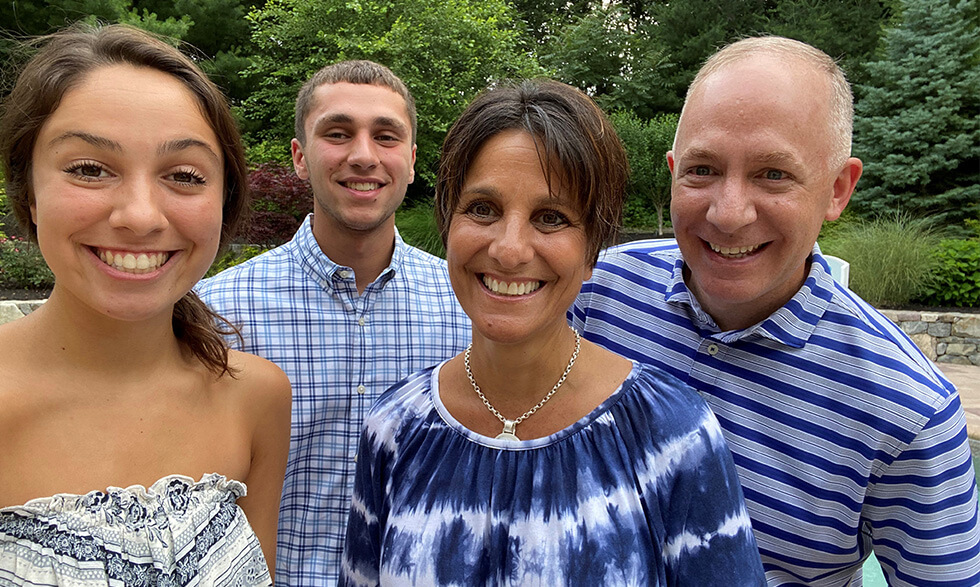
(915,66)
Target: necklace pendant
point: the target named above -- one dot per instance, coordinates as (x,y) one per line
(510,432)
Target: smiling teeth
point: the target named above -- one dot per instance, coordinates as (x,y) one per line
(510,289)
(734,252)
(363,186)
(137,263)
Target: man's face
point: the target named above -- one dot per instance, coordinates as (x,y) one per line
(358,156)
(753,179)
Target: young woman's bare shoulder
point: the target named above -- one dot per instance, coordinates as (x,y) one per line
(263,384)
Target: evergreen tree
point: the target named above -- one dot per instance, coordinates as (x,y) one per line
(916,125)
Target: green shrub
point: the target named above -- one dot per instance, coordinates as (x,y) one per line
(957,277)
(417,226)
(892,258)
(233,257)
(22,266)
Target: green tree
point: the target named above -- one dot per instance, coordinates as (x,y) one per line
(916,127)
(22,18)
(647,143)
(847,30)
(688,32)
(219,32)
(445,51)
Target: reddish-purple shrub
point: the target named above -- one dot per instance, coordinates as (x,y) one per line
(280,202)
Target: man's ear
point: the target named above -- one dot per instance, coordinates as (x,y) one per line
(844,185)
(299,159)
(411,176)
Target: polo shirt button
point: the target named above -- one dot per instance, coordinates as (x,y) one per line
(712,349)
(361,322)
(361,389)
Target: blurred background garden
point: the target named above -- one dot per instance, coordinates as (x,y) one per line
(911,232)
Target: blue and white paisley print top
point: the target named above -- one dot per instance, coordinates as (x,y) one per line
(177,532)
(642,491)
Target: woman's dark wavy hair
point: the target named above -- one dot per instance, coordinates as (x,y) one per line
(576,142)
(62,63)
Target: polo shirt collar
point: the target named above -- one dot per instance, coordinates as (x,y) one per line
(791,325)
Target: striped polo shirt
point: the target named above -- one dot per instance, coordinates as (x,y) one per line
(846,437)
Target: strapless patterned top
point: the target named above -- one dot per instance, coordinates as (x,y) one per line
(176,532)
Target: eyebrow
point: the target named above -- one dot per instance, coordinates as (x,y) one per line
(173,146)
(341,118)
(767,158)
(101,142)
(177,145)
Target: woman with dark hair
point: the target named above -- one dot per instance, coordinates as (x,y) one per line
(536,457)
(119,398)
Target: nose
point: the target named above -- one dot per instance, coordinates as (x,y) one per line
(363,151)
(511,246)
(733,207)
(137,207)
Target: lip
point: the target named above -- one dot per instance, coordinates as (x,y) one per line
(516,287)
(132,263)
(353,185)
(734,252)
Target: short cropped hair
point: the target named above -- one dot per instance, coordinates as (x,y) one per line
(65,60)
(578,145)
(351,72)
(841,99)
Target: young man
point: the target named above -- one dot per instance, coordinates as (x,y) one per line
(346,308)
(846,437)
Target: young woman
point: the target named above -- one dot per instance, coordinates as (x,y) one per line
(536,457)
(130,431)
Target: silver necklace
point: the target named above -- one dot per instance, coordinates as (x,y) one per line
(509,432)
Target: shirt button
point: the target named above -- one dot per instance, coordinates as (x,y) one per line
(344,273)
(361,389)
(712,349)
(361,321)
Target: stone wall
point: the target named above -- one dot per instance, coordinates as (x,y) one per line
(13,309)
(945,337)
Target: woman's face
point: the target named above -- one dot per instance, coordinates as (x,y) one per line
(516,253)
(127,177)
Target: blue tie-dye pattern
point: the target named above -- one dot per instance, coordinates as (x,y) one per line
(640,492)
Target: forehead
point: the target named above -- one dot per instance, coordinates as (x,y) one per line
(117,99)
(761,98)
(513,157)
(359,103)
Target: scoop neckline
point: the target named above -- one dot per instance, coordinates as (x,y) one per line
(534,443)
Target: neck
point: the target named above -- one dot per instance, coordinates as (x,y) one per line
(75,336)
(518,375)
(367,252)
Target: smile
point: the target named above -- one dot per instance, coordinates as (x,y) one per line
(362,186)
(510,289)
(129,262)
(734,252)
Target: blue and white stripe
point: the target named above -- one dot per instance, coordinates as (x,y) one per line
(642,491)
(845,436)
(341,350)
